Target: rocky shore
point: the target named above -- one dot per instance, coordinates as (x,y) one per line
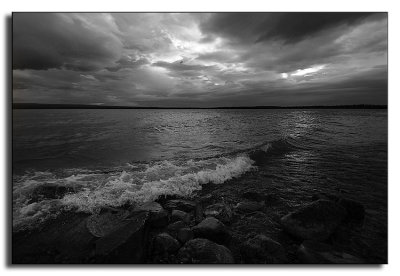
(229,224)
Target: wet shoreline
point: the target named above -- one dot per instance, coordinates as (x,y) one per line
(66,239)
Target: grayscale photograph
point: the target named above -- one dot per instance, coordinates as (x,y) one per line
(199,138)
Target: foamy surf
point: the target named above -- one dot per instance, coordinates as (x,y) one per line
(38,196)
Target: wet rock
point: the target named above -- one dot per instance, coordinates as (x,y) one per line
(312,252)
(100,225)
(355,210)
(220,211)
(263,250)
(212,229)
(316,221)
(249,206)
(180,215)
(184,235)
(173,228)
(158,216)
(127,244)
(180,204)
(198,212)
(203,251)
(164,244)
(49,191)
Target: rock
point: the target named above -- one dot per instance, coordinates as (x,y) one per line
(173,228)
(198,212)
(180,215)
(180,204)
(158,216)
(203,251)
(312,252)
(49,191)
(316,221)
(184,235)
(249,206)
(220,211)
(212,229)
(263,250)
(100,225)
(355,210)
(127,244)
(165,244)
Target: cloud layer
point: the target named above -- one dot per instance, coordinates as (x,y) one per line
(202,59)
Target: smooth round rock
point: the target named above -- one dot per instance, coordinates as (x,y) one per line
(203,251)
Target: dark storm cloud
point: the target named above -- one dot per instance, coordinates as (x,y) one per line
(288,27)
(49,40)
(204,59)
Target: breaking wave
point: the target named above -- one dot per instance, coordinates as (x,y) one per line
(38,196)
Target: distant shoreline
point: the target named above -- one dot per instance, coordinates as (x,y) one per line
(82,106)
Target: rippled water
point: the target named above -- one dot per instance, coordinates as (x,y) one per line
(112,157)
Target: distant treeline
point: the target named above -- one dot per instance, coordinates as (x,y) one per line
(83,106)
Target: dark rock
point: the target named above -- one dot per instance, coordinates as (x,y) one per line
(198,212)
(312,252)
(316,221)
(184,235)
(63,239)
(164,244)
(220,211)
(100,225)
(180,215)
(212,229)
(158,216)
(180,204)
(49,191)
(249,206)
(173,228)
(203,251)
(263,250)
(127,244)
(355,210)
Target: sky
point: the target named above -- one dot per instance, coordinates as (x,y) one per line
(200,59)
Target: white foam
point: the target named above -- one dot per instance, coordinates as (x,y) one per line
(132,185)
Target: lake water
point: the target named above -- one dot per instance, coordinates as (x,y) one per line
(113,157)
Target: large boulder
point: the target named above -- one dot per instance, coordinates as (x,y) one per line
(315,221)
(158,216)
(249,206)
(220,211)
(203,251)
(180,204)
(126,244)
(184,235)
(177,215)
(212,229)
(312,252)
(355,210)
(102,224)
(174,227)
(164,244)
(263,250)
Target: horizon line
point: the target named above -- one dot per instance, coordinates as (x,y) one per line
(91,106)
